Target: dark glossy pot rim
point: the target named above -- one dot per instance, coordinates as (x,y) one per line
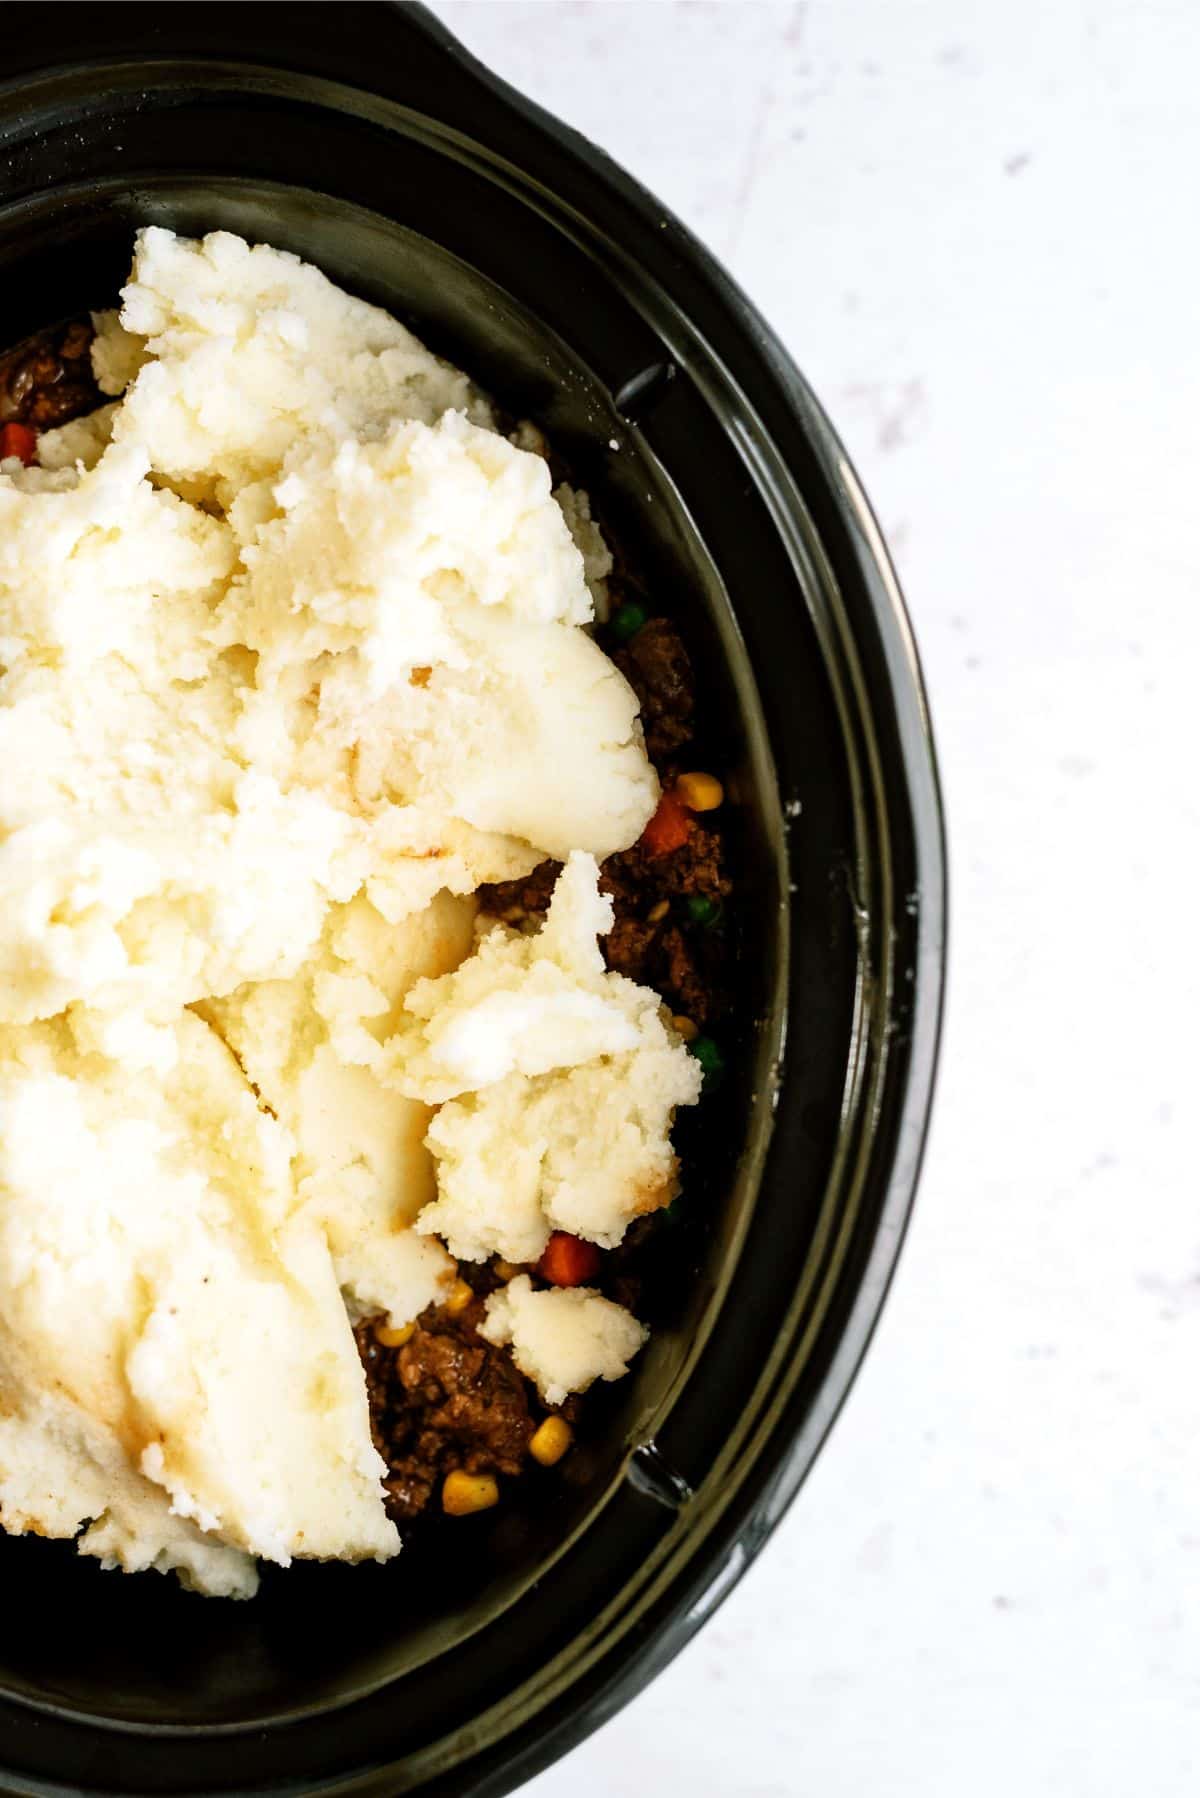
(890,1082)
(691,1594)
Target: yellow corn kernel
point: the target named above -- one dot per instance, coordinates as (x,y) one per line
(505,1270)
(463,1493)
(389,1338)
(550,1441)
(658,912)
(686,1028)
(458,1298)
(699,792)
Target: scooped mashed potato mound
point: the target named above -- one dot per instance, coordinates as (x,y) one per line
(293,658)
(234,352)
(166,1307)
(560,1080)
(562,1340)
(311,1046)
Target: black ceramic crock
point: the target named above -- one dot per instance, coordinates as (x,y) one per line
(365,139)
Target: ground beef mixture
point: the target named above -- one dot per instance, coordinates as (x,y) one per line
(445,1400)
(48,379)
(656,665)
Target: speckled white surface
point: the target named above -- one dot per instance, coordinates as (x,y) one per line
(974,225)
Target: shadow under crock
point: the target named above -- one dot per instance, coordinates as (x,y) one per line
(363,139)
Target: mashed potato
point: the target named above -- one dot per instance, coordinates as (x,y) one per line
(165,1303)
(560,1080)
(562,1340)
(292,659)
(359,1161)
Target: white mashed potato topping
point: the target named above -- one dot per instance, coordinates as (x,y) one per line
(293,660)
(559,1081)
(562,1340)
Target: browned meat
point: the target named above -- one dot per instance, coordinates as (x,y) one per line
(656,665)
(635,878)
(48,379)
(446,1399)
(676,953)
(529,897)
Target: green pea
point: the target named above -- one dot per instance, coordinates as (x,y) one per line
(704,911)
(709,1057)
(627,621)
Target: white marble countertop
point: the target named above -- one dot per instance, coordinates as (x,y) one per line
(973,224)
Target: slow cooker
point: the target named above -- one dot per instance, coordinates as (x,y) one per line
(364,138)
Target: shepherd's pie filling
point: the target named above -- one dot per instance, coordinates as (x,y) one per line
(296,659)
